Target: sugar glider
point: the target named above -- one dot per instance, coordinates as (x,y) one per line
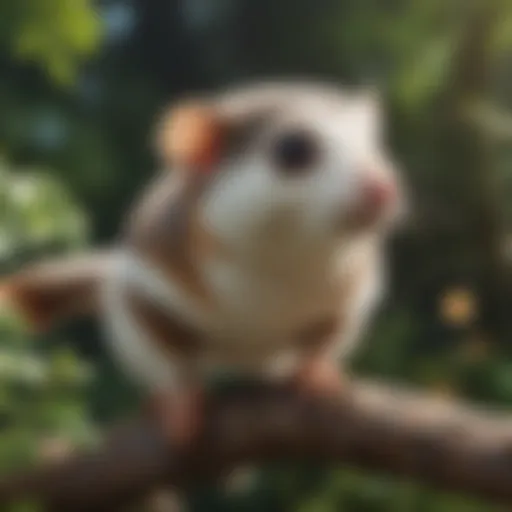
(258,249)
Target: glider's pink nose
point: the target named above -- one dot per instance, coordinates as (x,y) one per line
(376,196)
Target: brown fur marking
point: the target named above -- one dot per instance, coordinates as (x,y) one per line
(165,329)
(316,332)
(49,293)
(170,234)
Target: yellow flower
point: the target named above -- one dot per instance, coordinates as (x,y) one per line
(458,307)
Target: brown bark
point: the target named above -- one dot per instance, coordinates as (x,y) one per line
(442,444)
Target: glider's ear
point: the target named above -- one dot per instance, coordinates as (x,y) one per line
(46,294)
(191,135)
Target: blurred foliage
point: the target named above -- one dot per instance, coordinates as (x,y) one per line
(43,406)
(81,84)
(36,213)
(55,34)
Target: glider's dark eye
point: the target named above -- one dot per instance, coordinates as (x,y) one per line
(295,152)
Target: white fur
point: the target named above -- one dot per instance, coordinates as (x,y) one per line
(261,311)
(139,356)
(287,256)
(253,195)
(253,325)
(363,303)
(284,233)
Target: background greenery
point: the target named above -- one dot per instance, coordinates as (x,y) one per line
(81,83)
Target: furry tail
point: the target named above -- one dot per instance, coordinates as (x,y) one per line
(47,293)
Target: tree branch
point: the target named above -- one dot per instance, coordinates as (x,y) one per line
(443,444)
